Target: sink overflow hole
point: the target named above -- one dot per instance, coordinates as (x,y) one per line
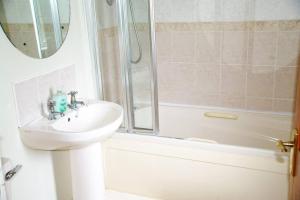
(69,119)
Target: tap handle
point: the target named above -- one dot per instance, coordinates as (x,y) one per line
(51,104)
(73,93)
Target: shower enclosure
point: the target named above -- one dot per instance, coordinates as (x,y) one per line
(225,56)
(127,61)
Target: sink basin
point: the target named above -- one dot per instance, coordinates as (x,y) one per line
(81,133)
(90,124)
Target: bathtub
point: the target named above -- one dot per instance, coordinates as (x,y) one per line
(214,159)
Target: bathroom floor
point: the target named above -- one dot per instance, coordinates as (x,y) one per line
(113,195)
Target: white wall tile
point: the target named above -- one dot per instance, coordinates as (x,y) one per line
(27,100)
(207,10)
(232,10)
(235,10)
(183,11)
(265,10)
(163,10)
(32,95)
(68,75)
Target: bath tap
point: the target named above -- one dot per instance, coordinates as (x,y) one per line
(73,102)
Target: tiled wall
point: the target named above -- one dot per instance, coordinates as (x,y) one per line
(111,69)
(227,53)
(32,95)
(247,65)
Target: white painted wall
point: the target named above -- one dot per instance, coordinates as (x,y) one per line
(36,179)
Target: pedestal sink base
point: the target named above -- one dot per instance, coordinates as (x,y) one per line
(87,173)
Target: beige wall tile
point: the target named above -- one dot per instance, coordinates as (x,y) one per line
(208,47)
(183,46)
(188,83)
(237,26)
(185,78)
(189,54)
(289,25)
(207,79)
(108,43)
(112,87)
(203,100)
(266,25)
(233,80)
(288,49)
(233,102)
(259,104)
(163,71)
(283,105)
(176,77)
(285,82)
(260,81)
(234,47)
(164,46)
(262,48)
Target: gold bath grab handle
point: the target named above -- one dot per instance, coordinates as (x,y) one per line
(284,145)
(292,147)
(221,115)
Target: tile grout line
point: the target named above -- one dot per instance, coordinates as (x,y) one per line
(221,39)
(275,67)
(247,56)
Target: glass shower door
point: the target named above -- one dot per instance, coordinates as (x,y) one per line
(138,65)
(123,46)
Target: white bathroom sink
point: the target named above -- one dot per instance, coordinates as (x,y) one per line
(92,123)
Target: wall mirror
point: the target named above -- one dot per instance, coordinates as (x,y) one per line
(38,28)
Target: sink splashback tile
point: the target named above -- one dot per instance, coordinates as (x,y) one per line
(31,95)
(27,100)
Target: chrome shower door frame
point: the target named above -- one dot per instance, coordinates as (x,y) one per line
(91,21)
(154,85)
(125,55)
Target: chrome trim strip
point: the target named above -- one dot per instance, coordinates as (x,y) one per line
(154,86)
(124,63)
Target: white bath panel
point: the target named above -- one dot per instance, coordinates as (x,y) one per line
(113,195)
